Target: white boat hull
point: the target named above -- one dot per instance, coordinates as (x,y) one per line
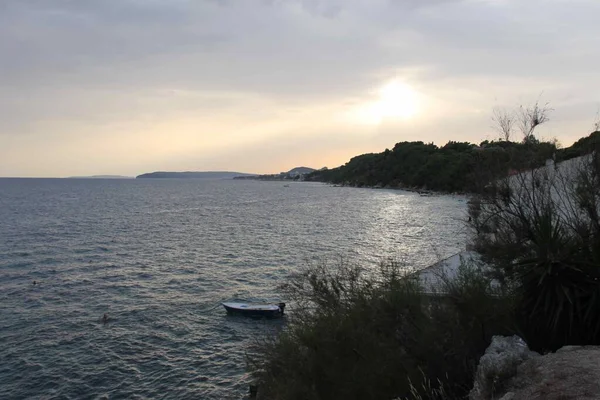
(255,310)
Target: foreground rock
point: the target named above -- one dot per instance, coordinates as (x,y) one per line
(498,365)
(571,373)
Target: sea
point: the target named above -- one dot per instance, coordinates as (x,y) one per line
(158,256)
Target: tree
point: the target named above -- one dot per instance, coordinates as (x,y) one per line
(530,117)
(504,121)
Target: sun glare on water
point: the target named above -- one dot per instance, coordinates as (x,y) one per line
(395,100)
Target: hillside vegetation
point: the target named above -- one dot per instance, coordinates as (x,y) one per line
(455,167)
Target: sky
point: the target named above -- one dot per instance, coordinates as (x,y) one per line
(262,86)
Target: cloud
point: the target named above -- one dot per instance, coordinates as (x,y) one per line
(88,69)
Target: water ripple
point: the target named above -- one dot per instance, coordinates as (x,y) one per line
(157,256)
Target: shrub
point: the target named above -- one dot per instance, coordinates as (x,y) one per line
(355,333)
(540,230)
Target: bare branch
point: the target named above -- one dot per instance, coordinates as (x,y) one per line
(597,120)
(530,117)
(503,122)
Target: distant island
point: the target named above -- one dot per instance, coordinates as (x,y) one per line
(194,175)
(295,174)
(101,177)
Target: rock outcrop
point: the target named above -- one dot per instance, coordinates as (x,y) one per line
(498,365)
(572,373)
(569,374)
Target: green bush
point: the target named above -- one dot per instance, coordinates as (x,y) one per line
(455,167)
(356,333)
(540,230)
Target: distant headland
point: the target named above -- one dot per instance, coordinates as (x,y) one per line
(194,175)
(101,177)
(297,173)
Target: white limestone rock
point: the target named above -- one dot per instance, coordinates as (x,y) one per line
(498,365)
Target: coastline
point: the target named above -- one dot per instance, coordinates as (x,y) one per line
(421,191)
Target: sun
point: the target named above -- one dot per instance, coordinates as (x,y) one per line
(395,100)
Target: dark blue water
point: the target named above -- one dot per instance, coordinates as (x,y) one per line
(157,256)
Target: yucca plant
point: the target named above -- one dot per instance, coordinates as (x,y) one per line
(541,232)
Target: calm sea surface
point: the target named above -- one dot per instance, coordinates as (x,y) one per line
(157,256)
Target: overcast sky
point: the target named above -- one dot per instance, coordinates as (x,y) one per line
(132,86)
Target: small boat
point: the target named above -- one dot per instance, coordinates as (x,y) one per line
(255,310)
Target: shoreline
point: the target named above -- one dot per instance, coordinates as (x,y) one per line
(422,192)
